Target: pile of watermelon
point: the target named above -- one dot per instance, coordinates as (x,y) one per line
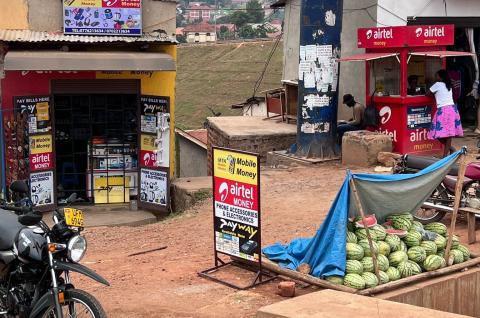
(403,247)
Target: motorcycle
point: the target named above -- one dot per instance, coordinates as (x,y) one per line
(36,262)
(442,199)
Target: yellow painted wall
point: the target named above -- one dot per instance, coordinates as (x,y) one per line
(13,14)
(156,83)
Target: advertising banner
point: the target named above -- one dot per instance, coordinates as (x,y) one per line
(102,17)
(150,106)
(42,188)
(40,144)
(111,189)
(236,204)
(38,110)
(41,161)
(153,187)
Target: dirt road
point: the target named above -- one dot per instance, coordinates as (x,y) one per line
(165,283)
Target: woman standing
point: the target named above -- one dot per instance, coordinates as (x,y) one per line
(446,123)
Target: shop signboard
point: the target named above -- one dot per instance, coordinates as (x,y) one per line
(236,204)
(150,106)
(381,37)
(111,189)
(154,187)
(42,188)
(430,35)
(40,144)
(148,151)
(41,161)
(102,17)
(37,109)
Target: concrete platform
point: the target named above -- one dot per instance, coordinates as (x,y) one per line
(186,192)
(334,304)
(111,215)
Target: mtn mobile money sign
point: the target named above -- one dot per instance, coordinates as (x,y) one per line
(236,204)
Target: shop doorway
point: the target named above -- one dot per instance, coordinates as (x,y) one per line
(96,140)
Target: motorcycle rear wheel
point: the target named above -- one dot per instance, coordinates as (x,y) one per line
(78,304)
(426,216)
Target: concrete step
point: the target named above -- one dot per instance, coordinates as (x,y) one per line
(186,192)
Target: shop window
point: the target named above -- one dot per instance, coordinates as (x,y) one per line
(421,73)
(385,77)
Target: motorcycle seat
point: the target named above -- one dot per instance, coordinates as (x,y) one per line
(451,181)
(9,228)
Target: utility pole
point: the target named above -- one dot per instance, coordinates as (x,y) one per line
(320,29)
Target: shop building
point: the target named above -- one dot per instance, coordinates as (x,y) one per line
(88,105)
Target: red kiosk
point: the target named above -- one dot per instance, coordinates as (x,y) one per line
(392,55)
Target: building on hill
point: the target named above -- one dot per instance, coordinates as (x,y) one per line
(200,33)
(200,11)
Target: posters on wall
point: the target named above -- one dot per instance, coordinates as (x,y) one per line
(236,204)
(419,117)
(38,110)
(41,152)
(153,187)
(148,155)
(150,106)
(102,17)
(42,188)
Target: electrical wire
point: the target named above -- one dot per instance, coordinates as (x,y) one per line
(262,75)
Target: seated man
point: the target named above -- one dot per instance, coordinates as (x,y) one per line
(354,124)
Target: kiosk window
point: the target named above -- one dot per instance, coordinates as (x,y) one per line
(385,75)
(421,74)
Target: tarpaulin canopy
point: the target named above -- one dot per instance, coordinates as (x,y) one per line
(442,54)
(380,195)
(367,57)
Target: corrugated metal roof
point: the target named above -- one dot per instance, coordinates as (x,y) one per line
(39,36)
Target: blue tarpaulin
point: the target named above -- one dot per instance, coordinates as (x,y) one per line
(380,195)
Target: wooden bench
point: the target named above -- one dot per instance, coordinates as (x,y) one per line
(471,219)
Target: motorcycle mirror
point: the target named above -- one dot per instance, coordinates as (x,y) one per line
(30,218)
(72,198)
(19,186)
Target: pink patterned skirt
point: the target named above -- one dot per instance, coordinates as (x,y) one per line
(446,123)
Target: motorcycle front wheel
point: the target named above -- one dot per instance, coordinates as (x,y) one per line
(78,304)
(439,196)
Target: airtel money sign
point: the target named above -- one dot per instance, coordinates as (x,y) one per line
(236,203)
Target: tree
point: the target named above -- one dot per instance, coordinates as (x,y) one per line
(255,11)
(247,32)
(180,20)
(181,38)
(239,18)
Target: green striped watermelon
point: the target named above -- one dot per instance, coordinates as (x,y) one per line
(393,274)
(383,248)
(441,242)
(354,251)
(394,216)
(383,277)
(370,221)
(397,257)
(383,262)
(430,247)
(436,227)
(455,241)
(366,247)
(337,280)
(417,226)
(413,238)
(465,251)
(367,263)
(403,247)
(362,234)
(351,237)
(433,262)
(380,233)
(354,267)
(370,279)
(417,254)
(409,268)
(441,253)
(457,256)
(393,241)
(401,224)
(354,281)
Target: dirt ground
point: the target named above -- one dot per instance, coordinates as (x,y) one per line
(165,283)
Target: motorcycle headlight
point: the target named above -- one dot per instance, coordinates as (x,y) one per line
(77,246)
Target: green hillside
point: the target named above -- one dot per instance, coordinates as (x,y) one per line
(219,76)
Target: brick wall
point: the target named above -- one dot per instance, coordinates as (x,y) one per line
(257,144)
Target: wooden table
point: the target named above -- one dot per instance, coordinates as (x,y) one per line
(471,219)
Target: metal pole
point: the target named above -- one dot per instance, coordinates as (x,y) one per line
(320,29)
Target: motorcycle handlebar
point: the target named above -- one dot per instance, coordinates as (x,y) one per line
(17,210)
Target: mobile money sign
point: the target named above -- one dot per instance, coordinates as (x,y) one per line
(236,204)
(102,17)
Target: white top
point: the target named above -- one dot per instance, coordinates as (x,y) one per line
(443,96)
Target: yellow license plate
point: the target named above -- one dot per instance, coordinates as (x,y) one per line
(73,217)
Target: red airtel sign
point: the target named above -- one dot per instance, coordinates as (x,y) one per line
(406,36)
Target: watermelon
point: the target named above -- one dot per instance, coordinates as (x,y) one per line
(441,242)
(429,247)
(370,220)
(393,274)
(436,227)
(433,262)
(441,253)
(457,256)
(465,251)
(393,241)
(396,258)
(413,238)
(354,281)
(351,237)
(402,224)
(366,247)
(351,226)
(382,262)
(384,248)
(354,267)
(380,233)
(337,280)
(403,247)
(362,234)
(394,216)
(383,277)
(354,251)
(409,268)
(387,224)
(417,226)
(367,263)
(370,279)
(455,241)
(399,233)
(417,254)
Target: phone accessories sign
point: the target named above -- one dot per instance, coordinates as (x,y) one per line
(103,17)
